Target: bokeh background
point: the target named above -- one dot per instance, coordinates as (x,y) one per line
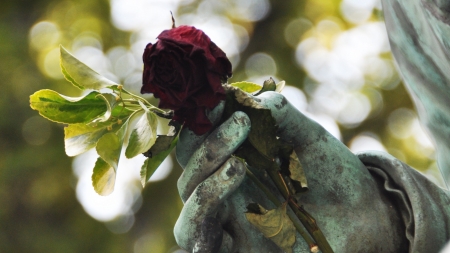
(333,55)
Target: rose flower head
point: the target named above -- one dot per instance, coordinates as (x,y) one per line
(185,70)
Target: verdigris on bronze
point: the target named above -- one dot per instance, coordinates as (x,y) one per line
(369,202)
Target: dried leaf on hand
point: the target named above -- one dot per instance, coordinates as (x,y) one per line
(296,169)
(246,100)
(274,224)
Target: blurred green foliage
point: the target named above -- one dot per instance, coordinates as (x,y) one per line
(39,211)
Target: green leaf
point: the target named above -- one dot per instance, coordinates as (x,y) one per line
(143,135)
(269,85)
(274,224)
(152,163)
(69,110)
(247,86)
(103,177)
(296,170)
(81,75)
(109,147)
(79,138)
(164,144)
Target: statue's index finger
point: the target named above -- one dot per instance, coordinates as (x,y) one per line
(189,141)
(213,152)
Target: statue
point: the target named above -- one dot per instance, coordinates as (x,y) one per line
(367,202)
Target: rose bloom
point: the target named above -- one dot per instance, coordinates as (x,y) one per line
(185,70)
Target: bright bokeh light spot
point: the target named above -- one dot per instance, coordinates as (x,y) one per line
(358,11)
(420,135)
(365,142)
(376,100)
(44,35)
(381,73)
(423,144)
(326,30)
(147,19)
(344,61)
(50,64)
(400,123)
(135,15)
(250,10)
(87,39)
(357,108)
(296,97)
(127,189)
(96,60)
(260,64)
(295,30)
(36,130)
(326,122)
(338,61)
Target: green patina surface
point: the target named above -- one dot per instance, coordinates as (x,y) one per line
(370,202)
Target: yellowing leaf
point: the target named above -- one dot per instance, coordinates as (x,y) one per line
(109,147)
(143,136)
(69,110)
(79,138)
(273,224)
(247,86)
(81,75)
(296,169)
(103,177)
(246,100)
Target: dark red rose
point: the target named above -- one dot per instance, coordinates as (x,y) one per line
(185,70)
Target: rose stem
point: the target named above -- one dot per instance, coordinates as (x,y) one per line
(317,233)
(157,111)
(151,107)
(307,220)
(277,203)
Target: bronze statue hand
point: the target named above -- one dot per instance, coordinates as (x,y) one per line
(343,197)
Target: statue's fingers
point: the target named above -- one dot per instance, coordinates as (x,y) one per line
(211,236)
(188,142)
(293,126)
(213,152)
(204,202)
